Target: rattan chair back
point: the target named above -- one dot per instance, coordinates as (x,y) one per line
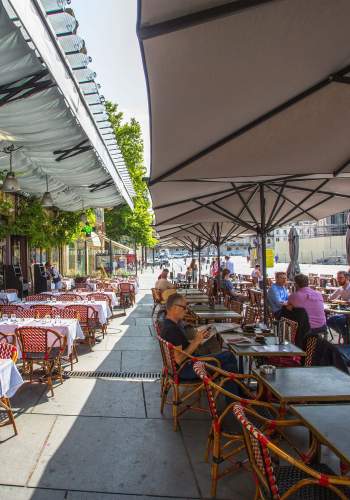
(70,297)
(8,351)
(42,310)
(39,297)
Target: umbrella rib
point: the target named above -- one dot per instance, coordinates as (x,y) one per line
(274,208)
(292,202)
(196,18)
(303,211)
(300,188)
(246,205)
(301,202)
(254,123)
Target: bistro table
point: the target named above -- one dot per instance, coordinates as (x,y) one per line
(304,384)
(329,424)
(10,378)
(213,314)
(70,328)
(207,307)
(103,310)
(270,348)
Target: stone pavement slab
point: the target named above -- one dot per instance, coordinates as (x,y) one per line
(239,484)
(99,360)
(95,397)
(129,331)
(26,397)
(130,456)
(23,451)
(18,493)
(134,344)
(147,361)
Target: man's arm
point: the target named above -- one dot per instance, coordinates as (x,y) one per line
(335,294)
(180,356)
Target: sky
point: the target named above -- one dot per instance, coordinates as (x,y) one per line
(109,30)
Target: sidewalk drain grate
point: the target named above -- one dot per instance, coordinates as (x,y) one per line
(139,376)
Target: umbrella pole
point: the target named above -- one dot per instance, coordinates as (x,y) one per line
(263,247)
(199,259)
(218,253)
(192,252)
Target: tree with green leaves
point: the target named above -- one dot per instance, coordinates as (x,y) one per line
(123,223)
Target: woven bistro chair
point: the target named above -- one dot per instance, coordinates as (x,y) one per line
(8,351)
(289,328)
(42,310)
(24,313)
(88,319)
(9,309)
(70,297)
(249,316)
(157,299)
(185,393)
(126,294)
(39,297)
(224,443)
(43,347)
(296,479)
(69,314)
(102,297)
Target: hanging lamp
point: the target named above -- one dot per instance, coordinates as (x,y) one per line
(10,184)
(47,200)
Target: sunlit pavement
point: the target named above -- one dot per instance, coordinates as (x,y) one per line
(104,438)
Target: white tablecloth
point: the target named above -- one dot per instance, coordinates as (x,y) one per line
(70,328)
(11,297)
(10,378)
(69,282)
(103,310)
(111,295)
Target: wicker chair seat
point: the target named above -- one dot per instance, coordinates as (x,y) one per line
(55,351)
(287,476)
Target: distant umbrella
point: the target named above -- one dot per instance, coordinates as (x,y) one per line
(347,239)
(293,239)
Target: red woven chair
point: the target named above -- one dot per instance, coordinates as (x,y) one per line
(9,309)
(294,480)
(24,313)
(8,351)
(224,443)
(88,319)
(39,297)
(126,294)
(102,296)
(70,297)
(69,314)
(43,347)
(40,311)
(185,393)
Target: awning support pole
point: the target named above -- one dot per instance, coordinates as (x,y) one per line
(111,257)
(199,258)
(135,258)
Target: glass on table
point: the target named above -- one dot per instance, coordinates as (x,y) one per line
(13,317)
(5,317)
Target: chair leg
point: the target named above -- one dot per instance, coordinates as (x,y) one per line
(75,352)
(48,370)
(7,406)
(175,405)
(164,396)
(215,464)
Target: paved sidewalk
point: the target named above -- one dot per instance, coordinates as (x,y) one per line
(100,439)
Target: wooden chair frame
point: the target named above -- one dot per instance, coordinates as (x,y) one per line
(8,351)
(51,358)
(260,448)
(224,446)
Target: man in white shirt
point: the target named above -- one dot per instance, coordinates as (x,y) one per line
(229,264)
(343,292)
(162,283)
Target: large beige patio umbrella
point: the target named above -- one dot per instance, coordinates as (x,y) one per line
(255,137)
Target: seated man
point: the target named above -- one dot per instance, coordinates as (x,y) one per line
(338,322)
(277,295)
(162,283)
(229,265)
(311,301)
(227,286)
(173,332)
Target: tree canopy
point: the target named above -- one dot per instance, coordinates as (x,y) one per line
(123,223)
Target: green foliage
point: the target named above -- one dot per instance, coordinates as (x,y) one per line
(122,222)
(44,228)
